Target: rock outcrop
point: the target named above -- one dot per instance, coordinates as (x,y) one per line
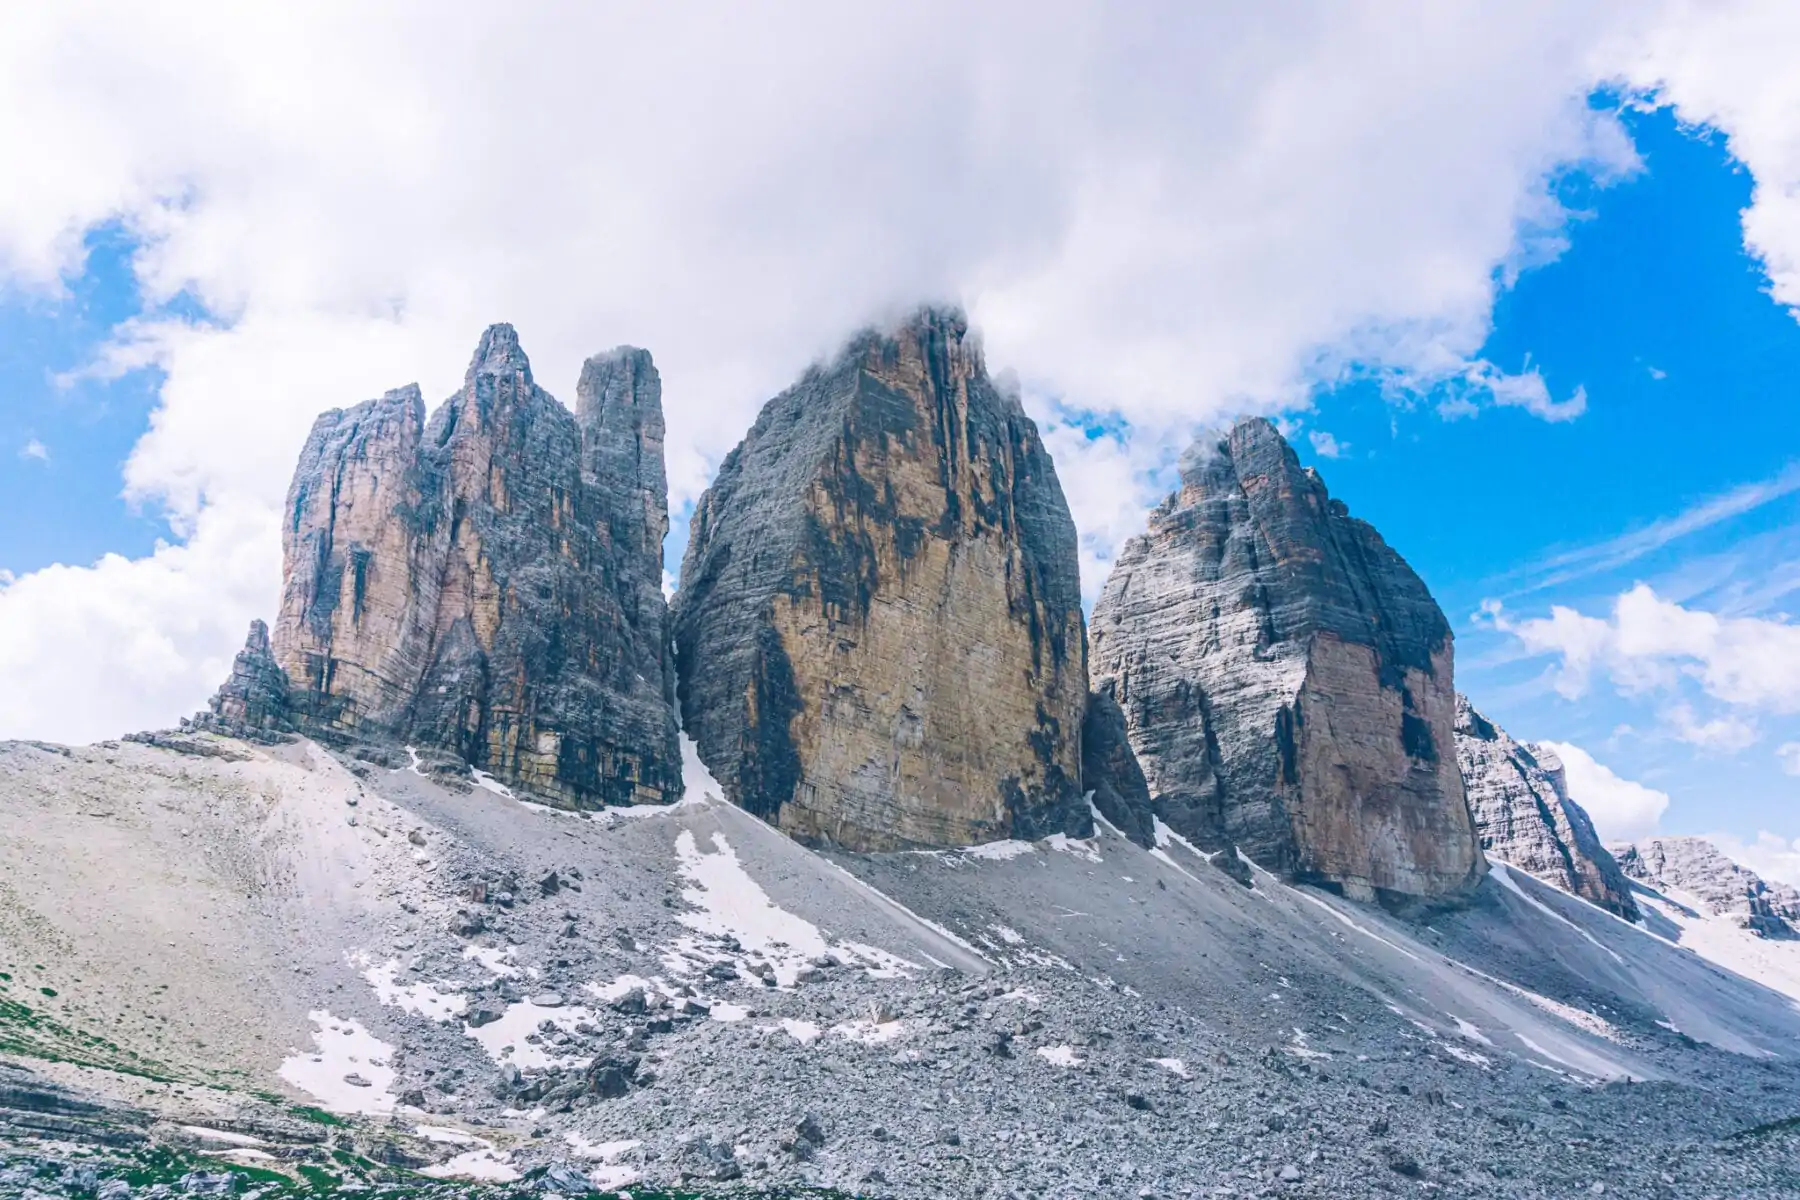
(1696,867)
(489,583)
(879,626)
(252,703)
(1520,801)
(1286,679)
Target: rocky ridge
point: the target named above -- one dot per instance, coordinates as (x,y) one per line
(1697,867)
(879,631)
(1521,804)
(1286,679)
(487,584)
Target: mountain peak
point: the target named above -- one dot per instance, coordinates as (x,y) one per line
(499,353)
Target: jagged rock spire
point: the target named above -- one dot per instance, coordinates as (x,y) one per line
(1286,679)
(475,584)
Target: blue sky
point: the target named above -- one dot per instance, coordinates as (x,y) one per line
(1691,372)
(66,439)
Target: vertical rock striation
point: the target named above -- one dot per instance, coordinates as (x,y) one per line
(489,583)
(1286,679)
(1522,809)
(879,627)
(1696,867)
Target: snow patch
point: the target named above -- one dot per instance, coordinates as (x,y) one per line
(803,1032)
(697,782)
(997,851)
(494,959)
(344,1048)
(870,1033)
(486,1164)
(1468,1056)
(599,1151)
(505,1041)
(1081,848)
(1173,1065)
(223,1135)
(732,904)
(419,998)
(484,780)
(1060,1056)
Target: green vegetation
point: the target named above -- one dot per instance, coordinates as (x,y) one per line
(29,1033)
(164,1165)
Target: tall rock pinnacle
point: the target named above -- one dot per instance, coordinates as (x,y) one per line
(478,583)
(1520,801)
(879,624)
(1286,679)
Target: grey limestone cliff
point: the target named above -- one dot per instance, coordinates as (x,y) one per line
(879,626)
(1285,679)
(1697,867)
(1522,809)
(488,583)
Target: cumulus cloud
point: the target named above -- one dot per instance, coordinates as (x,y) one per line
(1729,65)
(138,636)
(1162,214)
(1324,444)
(1788,754)
(1648,644)
(34,450)
(1725,734)
(1623,810)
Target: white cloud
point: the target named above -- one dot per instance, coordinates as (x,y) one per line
(1650,644)
(94,652)
(1165,212)
(1771,856)
(1789,755)
(1627,548)
(1729,64)
(35,450)
(1725,734)
(1324,444)
(1623,810)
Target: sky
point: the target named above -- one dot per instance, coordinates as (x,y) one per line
(1518,279)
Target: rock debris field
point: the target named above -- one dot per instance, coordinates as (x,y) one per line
(282,969)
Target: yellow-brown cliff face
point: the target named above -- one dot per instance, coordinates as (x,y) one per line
(879,624)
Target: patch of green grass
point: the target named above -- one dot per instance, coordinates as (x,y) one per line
(317,1116)
(319,1178)
(32,1034)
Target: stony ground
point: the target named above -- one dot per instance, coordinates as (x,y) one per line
(686,1000)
